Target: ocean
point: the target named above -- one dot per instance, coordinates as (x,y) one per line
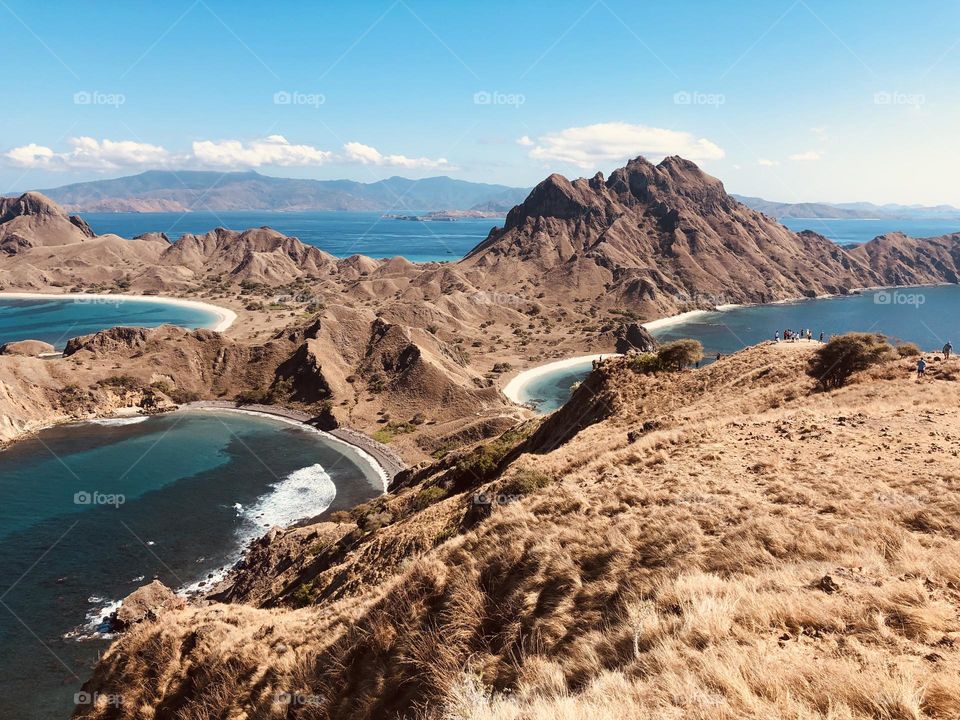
(339,233)
(365,233)
(57,320)
(927,316)
(860,231)
(90,512)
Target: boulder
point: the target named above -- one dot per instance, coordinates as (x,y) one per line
(145,603)
(27,347)
(634,337)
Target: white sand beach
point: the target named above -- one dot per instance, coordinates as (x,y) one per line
(225,316)
(513,388)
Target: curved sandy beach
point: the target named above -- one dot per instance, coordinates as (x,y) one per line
(513,388)
(225,316)
(383,467)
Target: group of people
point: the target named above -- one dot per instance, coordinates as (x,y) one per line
(791,336)
(922,364)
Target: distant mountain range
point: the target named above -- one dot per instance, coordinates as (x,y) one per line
(854,210)
(186,191)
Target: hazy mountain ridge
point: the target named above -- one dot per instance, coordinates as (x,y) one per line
(853,211)
(185,191)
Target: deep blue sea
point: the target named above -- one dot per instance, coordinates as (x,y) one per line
(57,320)
(90,512)
(927,316)
(347,233)
(860,231)
(339,233)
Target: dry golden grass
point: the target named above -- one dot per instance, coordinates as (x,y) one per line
(760,551)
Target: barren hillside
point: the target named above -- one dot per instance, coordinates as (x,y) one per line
(720,543)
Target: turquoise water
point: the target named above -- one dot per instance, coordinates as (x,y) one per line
(56,321)
(860,231)
(194,486)
(927,316)
(339,233)
(550,391)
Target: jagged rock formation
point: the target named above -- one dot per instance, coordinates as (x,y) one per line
(634,337)
(667,237)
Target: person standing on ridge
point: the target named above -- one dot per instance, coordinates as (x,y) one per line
(946,350)
(821,336)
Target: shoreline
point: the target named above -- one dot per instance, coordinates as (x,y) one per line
(225,317)
(513,388)
(384,462)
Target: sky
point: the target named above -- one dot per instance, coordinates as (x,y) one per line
(790,100)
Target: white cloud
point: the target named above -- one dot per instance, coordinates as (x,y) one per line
(767,163)
(809,155)
(89,153)
(367,155)
(604,143)
(272,150)
(525,141)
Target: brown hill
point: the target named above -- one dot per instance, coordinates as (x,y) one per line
(896,259)
(721,543)
(660,238)
(34,220)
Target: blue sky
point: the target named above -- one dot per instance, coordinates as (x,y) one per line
(787,99)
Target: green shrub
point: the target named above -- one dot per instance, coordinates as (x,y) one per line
(427,497)
(389,431)
(304,595)
(121,382)
(680,354)
(526,481)
(834,363)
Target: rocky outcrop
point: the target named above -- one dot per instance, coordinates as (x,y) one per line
(664,238)
(32,348)
(144,604)
(634,337)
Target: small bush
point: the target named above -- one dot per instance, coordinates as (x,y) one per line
(907,350)
(429,496)
(680,354)
(673,356)
(834,363)
(647,363)
(526,481)
(389,431)
(121,382)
